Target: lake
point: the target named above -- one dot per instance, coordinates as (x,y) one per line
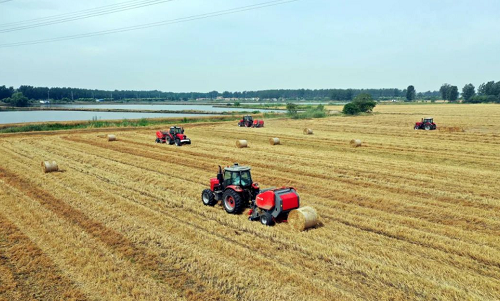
(47,115)
(43,116)
(206,108)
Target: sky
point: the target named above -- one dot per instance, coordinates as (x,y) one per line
(315,44)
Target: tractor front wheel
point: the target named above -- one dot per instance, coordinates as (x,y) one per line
(427,127)
(267,219)
(208,198)
(177,142)
(232,202)
(157,140)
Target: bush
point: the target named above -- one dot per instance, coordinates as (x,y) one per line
(483,99)
(19,100)
(292,109)
(350,109)
(363,103)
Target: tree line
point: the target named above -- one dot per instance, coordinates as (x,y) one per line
(71,94)
(487,92)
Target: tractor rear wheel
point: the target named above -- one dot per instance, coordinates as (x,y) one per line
(266,219)
(232,202)
(427,127)
(208,198)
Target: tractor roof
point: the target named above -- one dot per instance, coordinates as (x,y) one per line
(237,167)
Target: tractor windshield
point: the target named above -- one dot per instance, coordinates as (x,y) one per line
(237,178)
(428,120)
(176,130)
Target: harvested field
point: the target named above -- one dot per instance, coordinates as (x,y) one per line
(410,215)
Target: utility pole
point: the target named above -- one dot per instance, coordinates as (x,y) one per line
(48,94)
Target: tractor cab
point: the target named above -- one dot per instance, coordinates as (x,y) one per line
(238,176)
(246,121)
(174,130)
(428,120)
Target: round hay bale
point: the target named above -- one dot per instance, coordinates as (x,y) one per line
(356,143)
(308,131)
(274,141)
(241,143)
(111,138)
(303,218)
(49,166)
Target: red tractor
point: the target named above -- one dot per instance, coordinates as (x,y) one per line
(425,124)
(235,188)
(248,121)
(175,135)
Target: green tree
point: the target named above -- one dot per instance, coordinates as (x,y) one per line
(468,91)
(237,104)
(19,100)
(6,92)
(291,108)
(444,91)
(350,109)
(365,102)
(410,93)
(453,93)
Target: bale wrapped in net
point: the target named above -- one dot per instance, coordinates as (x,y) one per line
(274,141)
(49,166)
(111,138)
(308,131)
(303,218)
(356,143)
(241,143)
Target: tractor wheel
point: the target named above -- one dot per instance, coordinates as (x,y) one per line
(208,198)
(416,127)
(266,219)
(427,127)
(177,142)
(232,202)
(157,140)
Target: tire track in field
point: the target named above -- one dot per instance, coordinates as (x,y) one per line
(386,283)
(117,242)
(31,273)
(397,208)
(326,195)
(300,279)
(385,233)
(323,195)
